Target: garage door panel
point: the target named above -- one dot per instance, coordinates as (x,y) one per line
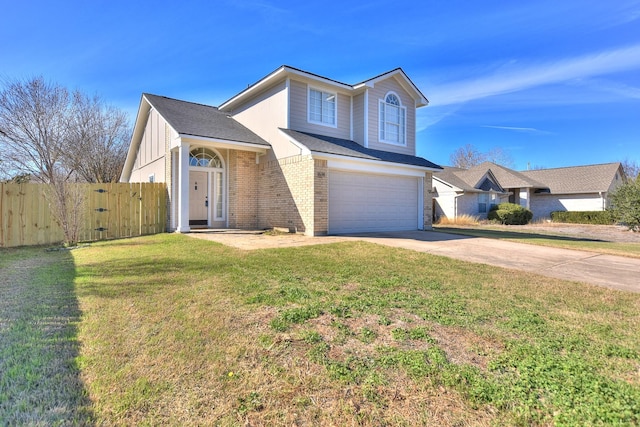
(366,202)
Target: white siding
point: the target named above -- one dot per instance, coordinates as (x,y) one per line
(543,204)
(375,95)
(299,112)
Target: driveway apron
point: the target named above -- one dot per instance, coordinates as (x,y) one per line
(604,270)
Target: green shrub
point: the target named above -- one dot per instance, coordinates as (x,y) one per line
(510,214)
(586,217)
(625,204)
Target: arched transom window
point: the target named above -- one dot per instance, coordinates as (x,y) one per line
(393,121)
(205,158)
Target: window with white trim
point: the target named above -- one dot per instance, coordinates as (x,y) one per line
(483,199)
(322,107)
(393,120)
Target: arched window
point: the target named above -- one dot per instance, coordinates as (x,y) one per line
(205,158)
(393,121)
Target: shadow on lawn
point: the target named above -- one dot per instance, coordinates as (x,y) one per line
(500,234)
(40,382)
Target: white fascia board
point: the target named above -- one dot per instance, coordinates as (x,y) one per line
(404,81)
(280,73)
(319,79)
(136,138)
(221,143)
(335,161)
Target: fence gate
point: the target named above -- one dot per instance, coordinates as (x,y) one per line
(110,211)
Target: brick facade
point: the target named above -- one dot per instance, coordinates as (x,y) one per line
(428,201)
(293,195)
(243,189)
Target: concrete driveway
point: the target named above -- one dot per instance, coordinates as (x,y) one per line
(604,270)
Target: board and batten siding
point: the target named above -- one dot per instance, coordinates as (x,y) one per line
(150,159)
(375,95)
(299,113)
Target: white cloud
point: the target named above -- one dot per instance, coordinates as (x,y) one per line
(517,129)
(517,77)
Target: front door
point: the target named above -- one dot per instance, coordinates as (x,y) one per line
(198,198)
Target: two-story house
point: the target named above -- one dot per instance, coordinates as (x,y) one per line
(294,150)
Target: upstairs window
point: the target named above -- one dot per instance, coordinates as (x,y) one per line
(393,121)
(322,107)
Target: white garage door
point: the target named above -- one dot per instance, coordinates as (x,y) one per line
(360,202)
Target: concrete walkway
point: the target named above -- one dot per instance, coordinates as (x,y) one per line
(604,270)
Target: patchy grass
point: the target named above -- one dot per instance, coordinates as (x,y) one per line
(178,331)
(181,331)
(40,383)
(547,239)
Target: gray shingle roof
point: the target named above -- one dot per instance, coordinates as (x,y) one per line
(577,179)
(188,118)
(507,178)
(345,147)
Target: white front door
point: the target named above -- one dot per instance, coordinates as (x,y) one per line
(198,198)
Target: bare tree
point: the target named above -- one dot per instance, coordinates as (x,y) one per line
(57,137)
(34,130)
(469,156)
(500,157)
(631,168)
(98,141)
(466,157)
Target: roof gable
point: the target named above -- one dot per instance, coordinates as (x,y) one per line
(199,120)
(286,71)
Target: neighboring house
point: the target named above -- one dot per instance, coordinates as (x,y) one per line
(473,191)
(578,188)
(294,150)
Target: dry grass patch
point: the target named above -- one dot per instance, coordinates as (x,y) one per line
(459,220)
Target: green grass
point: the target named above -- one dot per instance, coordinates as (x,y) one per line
(543,239)
(181,331)
(39,381)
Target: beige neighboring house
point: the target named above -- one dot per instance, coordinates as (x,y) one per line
(295,150)
(473,191)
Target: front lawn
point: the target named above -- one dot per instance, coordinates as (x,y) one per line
(181,331)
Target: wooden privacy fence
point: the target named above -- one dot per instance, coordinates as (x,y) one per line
(111,211)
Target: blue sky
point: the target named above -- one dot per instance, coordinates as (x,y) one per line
(552,83)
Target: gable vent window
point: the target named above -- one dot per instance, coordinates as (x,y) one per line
(393,120)
(322,107)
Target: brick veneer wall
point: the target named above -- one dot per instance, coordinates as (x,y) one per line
(293,195)
(243,189)
(321,198)
(428,201)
